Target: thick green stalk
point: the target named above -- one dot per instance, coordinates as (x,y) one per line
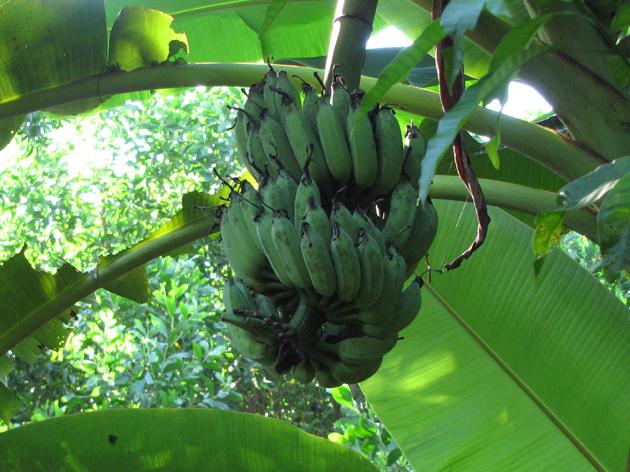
(514,197)
(539,144)
(351,30)
(121,265)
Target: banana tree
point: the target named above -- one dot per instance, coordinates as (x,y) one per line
(518,358)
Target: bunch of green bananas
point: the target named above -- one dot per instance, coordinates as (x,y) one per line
(323,247)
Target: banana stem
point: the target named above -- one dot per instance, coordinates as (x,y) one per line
(541,145)
(514,197)
(352,27)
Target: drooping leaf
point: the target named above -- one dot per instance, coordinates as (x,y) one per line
(548,233)
(613,227)
(141,37)
(402,64)
(506,370)
(452,121)
(168,440)
(8,128)
(273,10)
(590,188)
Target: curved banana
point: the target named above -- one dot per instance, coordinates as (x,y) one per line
(318,220)
(306,189)
(275,143)
(241,133)
(269,96)
(311,103)
(423,231)
(342,216)
(389,149)
(402,210)
(363,221)
(250,206)
(414,150)
(264,221)
(287,185)
(275,195)
(340,101)
(372,271)
(304,372)
(348,373)
(362,149)
(254,106)
(256,153)
(323,375)
(334,143)
(359,350)
(287,243)
(316,255)
(284,84)
(346,262)
(306,147)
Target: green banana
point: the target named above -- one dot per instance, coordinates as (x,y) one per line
(256,153)
(372,271)
(264,221)
(318,220)
(393,280)
(340,101)
(287,185)
(423,231)
(286,241)
(304,372)
(346,262)
(323,375)
(342,216)
(244,259)
(275,143)
(389,149)
(276,194)
(334,143)
(347,373)
(306,147)
(408,306)
(359,350)
(306,189)
(265,306)
(363,221)
(241,133)
(255,104)
(402,210)
(269,96)
(414,150)
(318,261)
(250,206)
(362,148)
(311,103)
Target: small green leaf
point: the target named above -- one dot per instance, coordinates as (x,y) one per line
(621,20)
(492,149)
(402,64)
(548,233)
(613,227)
(273,10)
(591,188)
(141,37)
(343,396)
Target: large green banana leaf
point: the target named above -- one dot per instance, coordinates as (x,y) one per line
(170,440)
(505,369)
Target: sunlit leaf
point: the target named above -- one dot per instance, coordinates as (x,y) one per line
(9,404)
(501,360)
(548,233)
(141,37)
(171,439)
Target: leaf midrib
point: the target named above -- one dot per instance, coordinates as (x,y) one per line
(564,429)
